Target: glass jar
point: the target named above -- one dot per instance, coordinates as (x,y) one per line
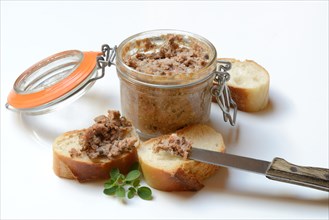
(157,101)
(161,104)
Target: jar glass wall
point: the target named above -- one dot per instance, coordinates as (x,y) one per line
(163,103)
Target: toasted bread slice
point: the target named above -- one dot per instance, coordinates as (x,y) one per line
(249,85)
(81,167)
(166,172)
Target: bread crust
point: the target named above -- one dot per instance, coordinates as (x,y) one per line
(82,168)
(189,174)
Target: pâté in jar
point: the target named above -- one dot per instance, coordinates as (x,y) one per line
(166,78)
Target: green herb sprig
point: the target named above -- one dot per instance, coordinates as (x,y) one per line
(121,186)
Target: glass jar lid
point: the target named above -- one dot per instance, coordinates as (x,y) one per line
(55,80)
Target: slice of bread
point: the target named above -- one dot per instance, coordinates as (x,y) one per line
(166,172)
(249,85)
(81,167)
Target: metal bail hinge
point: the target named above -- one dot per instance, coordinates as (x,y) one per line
(222,93)
(106,59)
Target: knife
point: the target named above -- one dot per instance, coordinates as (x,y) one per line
(279,169)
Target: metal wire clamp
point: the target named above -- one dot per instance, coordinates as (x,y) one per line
(106,59)
(222,93)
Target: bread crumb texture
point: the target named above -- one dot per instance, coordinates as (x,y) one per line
(247,74)
(249,85)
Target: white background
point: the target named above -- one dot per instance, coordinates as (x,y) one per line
(290,39)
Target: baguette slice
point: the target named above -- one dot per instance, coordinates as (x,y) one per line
(82,168)
(166,172)
(249,85)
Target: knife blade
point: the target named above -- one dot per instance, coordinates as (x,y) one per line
(279,169)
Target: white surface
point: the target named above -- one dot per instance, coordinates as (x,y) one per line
(290,39)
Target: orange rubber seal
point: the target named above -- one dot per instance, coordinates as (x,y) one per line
(31,100)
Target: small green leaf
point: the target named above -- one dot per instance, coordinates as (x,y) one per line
(120,192)
(144,192)
(135,183)
(110,191)
(108,185)
(115,172)
(131,192)
(132,175)
(110,181)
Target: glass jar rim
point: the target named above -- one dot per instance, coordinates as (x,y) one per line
(171,80)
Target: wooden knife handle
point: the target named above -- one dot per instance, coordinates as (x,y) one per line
(284,171)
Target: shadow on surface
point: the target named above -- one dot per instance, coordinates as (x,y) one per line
(218,184)
(281,198)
